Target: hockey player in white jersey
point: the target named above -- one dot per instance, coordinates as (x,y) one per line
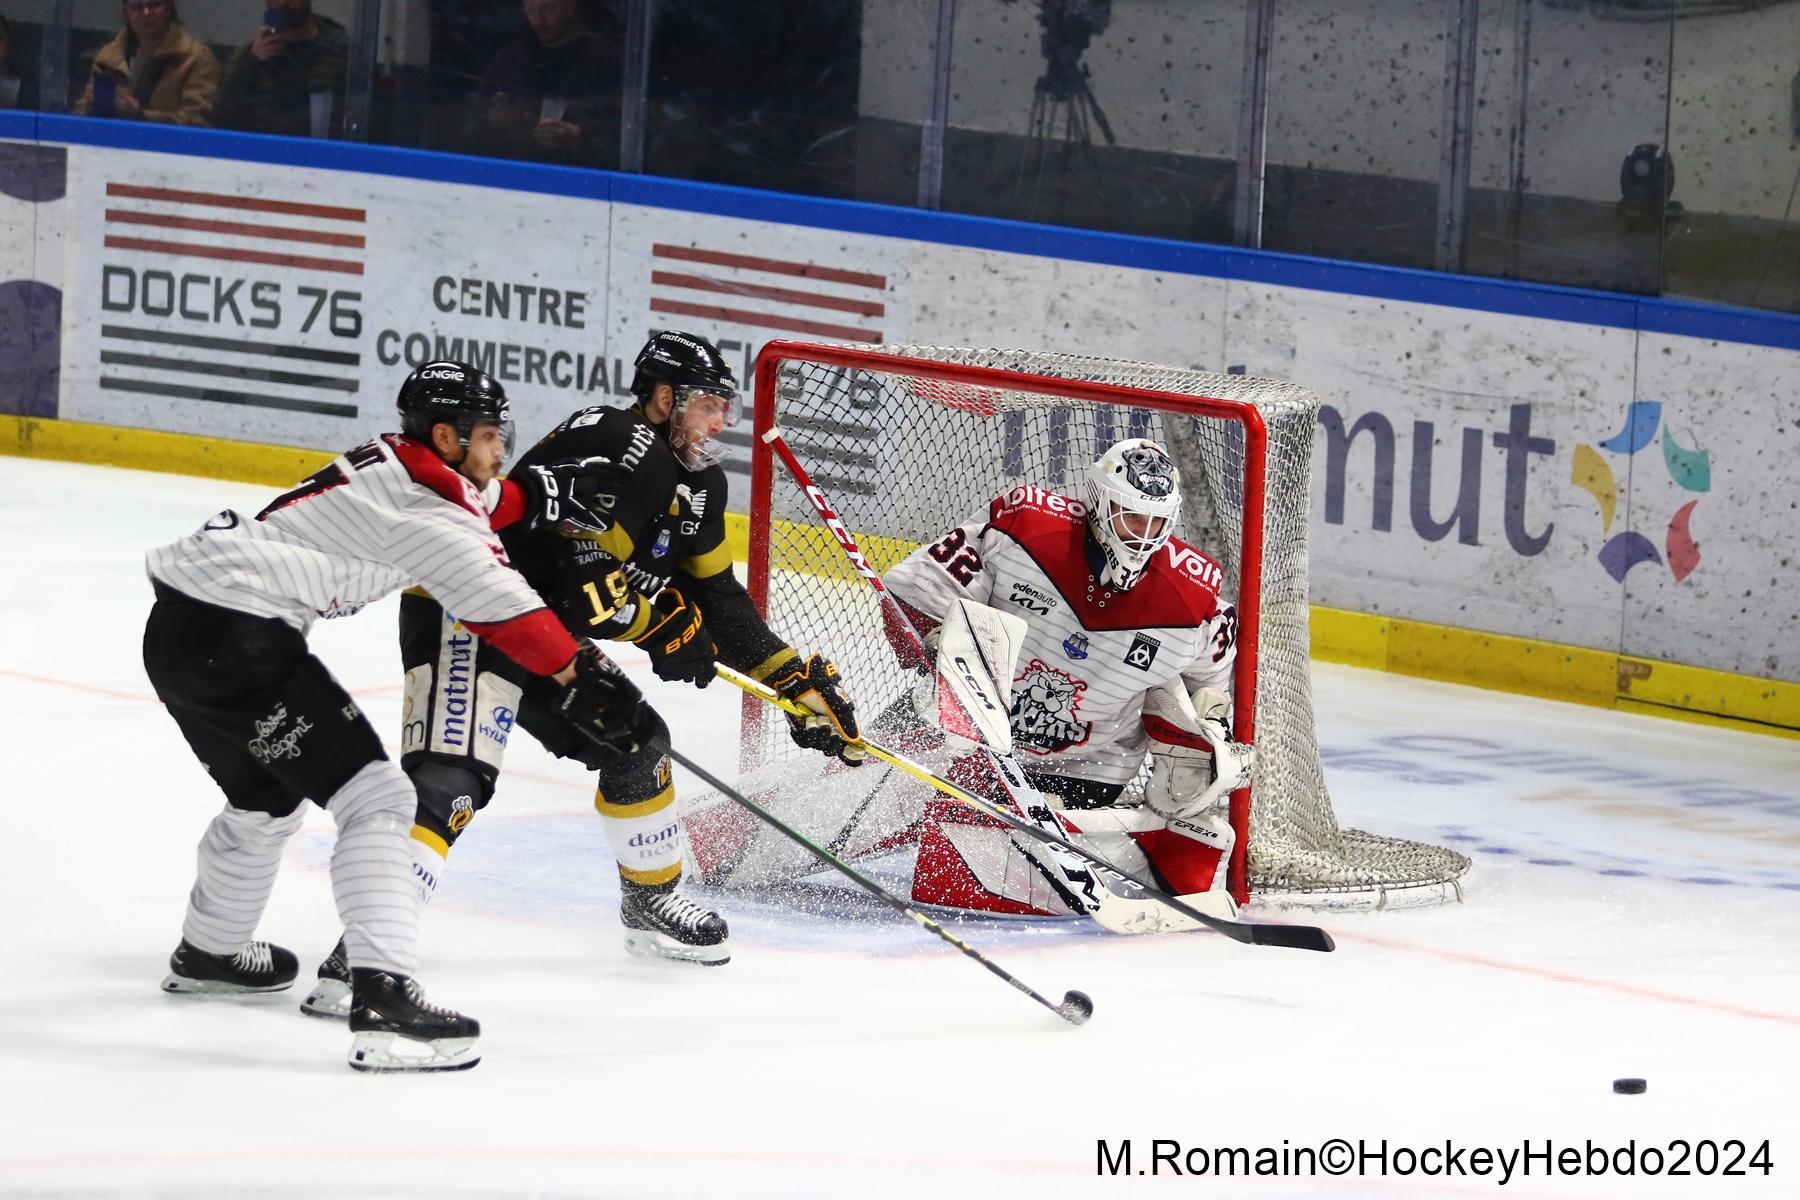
(225,648)
(1129,650)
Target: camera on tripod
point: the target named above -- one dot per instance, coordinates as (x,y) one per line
(1069,25)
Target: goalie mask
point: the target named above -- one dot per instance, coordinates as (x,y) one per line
(705,393)
(1134,496)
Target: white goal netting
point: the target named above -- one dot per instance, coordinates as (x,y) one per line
(904,450)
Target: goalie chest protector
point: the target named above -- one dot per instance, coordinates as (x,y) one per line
(1091,652)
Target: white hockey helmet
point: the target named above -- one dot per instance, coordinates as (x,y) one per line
(1134,496)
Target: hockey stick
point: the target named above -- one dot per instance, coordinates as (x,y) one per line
(1075,1008)
(1298,937)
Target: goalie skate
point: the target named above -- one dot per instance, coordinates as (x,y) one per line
(330,996)
(397,1029)
(662,923)
(258,967)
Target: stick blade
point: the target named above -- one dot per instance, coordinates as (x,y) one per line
(1076,1007)
(1293,937)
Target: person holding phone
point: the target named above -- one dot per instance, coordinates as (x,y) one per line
(289,78)
(152,71)
(551,95)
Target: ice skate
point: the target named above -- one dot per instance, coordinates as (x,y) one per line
(330,996)
(397,1029)
(662,923)
(258,967)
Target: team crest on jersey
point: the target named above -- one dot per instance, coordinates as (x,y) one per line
(1143,651)
(1076,645)
(662,544)
(1046,709)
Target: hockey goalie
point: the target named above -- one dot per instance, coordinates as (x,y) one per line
(1115,683)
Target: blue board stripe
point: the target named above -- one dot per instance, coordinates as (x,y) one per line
(1543,301)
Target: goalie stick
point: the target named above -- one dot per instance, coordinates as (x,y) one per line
(910,651)
(1123,911)
(1076,1007)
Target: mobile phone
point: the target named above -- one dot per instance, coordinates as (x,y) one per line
(106,90)
(275,18)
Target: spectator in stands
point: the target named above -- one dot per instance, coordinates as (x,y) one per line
(12,86)
(153,71)
(290,78)
(552,94)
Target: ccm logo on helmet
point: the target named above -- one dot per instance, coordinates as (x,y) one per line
(441,373)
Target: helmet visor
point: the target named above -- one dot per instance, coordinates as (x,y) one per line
(701,412)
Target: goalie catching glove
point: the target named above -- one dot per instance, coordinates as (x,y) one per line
(1193,761)
(680,649)
(575,497)
(813,683)
(606,703)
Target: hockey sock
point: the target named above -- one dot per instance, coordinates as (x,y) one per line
(430,853)
(645,836)
(238,858)
(372,871)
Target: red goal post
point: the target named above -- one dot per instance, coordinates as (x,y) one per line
(907,441)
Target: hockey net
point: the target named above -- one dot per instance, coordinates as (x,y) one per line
(907,441)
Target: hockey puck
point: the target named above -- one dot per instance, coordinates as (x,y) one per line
(1629,1087)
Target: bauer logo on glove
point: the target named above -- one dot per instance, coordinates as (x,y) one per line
(832,729)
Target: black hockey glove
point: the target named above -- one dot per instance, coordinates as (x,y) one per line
(832,729)
(607,704)
(680,649)
(575,497)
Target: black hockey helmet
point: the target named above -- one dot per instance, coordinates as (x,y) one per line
(680,359)
(453,393)
(692,366)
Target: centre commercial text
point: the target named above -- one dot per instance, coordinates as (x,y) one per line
(513,362)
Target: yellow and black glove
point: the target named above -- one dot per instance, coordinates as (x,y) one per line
(832,729)
(680,649)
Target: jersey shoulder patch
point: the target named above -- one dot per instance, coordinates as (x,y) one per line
(430,471)
(1027,509)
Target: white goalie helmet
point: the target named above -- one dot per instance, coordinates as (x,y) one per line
(1134,496)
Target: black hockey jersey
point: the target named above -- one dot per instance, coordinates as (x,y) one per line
(668,526)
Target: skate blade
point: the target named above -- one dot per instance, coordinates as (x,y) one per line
(381,1053)
(329,999)
(181,985)
(644,944)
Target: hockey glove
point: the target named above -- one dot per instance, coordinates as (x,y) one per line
(680,649)
(607,704)
(574,497)
(813,682)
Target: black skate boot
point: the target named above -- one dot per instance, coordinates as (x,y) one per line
(662,923)
(258,967)
(330,997)
(397,1029)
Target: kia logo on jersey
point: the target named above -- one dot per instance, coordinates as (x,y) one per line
(1143,652)
(1031,599)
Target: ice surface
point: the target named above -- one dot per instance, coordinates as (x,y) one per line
(1635,910)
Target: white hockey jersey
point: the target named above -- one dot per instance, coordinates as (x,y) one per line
(1091,652)
(387,514)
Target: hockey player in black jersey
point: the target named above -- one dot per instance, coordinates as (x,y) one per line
(225,648)
(637,554)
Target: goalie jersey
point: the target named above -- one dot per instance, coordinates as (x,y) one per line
(1091,652)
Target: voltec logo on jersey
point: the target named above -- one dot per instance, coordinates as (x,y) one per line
(1031,599)
(1076,645)
(270,744)
(1046,709)
(1691,470)
(1143,651)
(1195,565)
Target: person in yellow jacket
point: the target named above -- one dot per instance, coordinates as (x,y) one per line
(154,70)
